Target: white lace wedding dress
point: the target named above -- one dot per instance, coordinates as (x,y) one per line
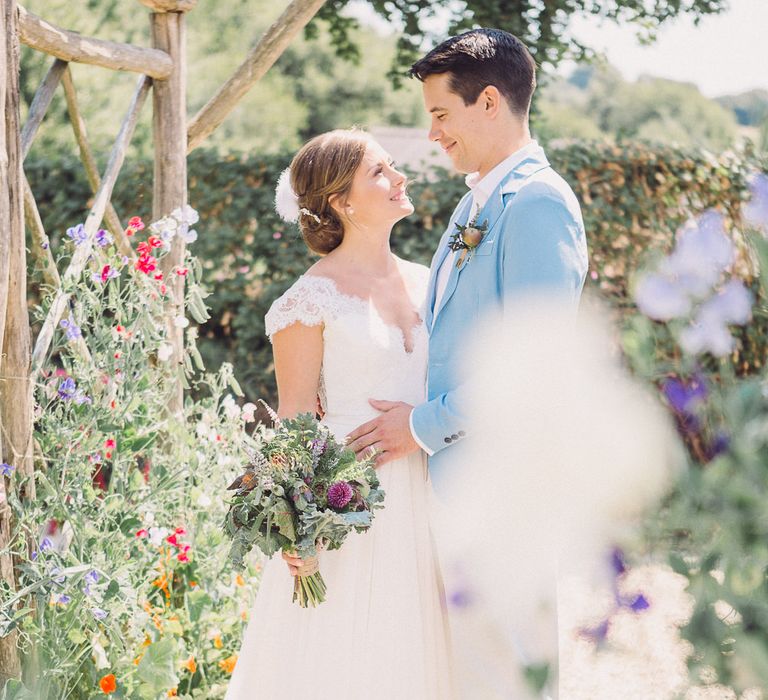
(382,632)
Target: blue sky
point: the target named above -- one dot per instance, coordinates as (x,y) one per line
(724,54)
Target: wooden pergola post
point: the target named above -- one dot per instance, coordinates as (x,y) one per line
(15,344)
(169,124)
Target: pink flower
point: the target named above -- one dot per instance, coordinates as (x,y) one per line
(142,533)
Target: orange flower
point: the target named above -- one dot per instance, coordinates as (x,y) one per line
(239,580)
(173,692)
(217,641)
(228,664)
(190,664)
(108,684)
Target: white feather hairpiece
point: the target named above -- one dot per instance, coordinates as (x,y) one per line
(286,201)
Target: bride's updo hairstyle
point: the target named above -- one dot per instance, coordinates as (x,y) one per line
(324,167)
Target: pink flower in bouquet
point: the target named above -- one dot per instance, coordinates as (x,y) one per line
(339,494)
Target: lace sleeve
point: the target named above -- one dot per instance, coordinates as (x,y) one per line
(302,303)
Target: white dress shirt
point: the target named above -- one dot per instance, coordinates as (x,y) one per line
(481,191)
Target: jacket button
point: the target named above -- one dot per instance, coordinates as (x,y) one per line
(462,433)
(454,437)
(447,440)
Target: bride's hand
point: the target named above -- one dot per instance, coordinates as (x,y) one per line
(294,563)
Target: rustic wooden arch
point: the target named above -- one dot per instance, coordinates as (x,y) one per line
(162,71)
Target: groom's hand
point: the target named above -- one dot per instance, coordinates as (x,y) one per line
(389,434)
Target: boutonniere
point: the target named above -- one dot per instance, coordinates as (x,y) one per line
(466,239)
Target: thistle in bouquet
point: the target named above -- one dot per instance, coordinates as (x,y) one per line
(301,491)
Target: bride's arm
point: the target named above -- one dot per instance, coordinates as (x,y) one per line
(298,353)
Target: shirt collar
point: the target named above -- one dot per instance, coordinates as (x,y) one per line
(482,188)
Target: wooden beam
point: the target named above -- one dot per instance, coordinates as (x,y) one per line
(258,61)
(89,163)
(92,223)
(15,387)
(40,104)
(41,250)
(169,5)
(169,127)
(70,46)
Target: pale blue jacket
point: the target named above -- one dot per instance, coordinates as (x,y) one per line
(535,243)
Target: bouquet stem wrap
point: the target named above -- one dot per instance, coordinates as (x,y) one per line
(309,587)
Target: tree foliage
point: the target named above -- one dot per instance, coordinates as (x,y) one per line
(543,26)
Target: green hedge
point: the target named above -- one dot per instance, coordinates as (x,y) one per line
(633,197)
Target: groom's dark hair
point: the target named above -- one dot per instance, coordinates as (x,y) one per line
(483,57)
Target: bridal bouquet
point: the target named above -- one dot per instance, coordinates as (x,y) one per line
(300,490)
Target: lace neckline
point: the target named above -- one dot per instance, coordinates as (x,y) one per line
(366,304)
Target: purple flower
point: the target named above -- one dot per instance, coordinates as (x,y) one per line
(686,397)
(719,445)
(71,328)
(460,598)
(6,469)
(99,614)
(77,234)
(639,603)
(61,599)
(617,562)
(596,634)
(103,238)
(339,494)
(756,210)
(56,575)
(91,578)
(67,389)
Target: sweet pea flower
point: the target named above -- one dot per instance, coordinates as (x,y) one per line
(180,322)
(157,535)
(756,210)
(103,238)
(77,234)
(185,215)
(6,469)
(99,614)
(248,412)
(164,352)
(190,236)
(71,329)
(107,273)
(661,299)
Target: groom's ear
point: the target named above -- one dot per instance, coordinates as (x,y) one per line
(491,100)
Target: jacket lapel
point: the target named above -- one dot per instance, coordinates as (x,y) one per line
(489,214)
(461,215)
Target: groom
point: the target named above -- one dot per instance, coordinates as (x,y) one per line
(477,89)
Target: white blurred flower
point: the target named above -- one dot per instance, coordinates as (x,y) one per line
(157,535)
(249,409)
(204,500)
(164,352)
(190,236)
(707,335)
(732,304)
(566,454)
(180,322)
(231,409)
(661,299)
(185,215)
(99,655)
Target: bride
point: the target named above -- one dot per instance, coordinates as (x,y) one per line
(349,329)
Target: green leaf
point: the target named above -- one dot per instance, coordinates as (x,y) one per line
(157,667)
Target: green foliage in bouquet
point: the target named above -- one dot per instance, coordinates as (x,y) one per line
(301,490)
